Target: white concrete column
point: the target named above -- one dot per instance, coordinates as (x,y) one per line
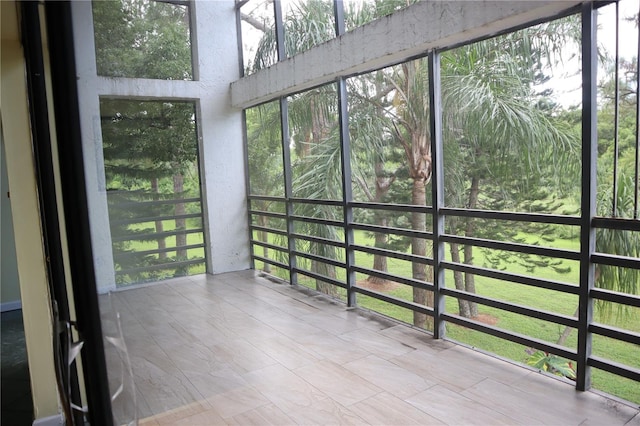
(88,99)
(221,145)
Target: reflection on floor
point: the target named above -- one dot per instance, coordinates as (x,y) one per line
(239,349)
(17,405)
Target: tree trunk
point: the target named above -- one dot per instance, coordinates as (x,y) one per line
(162,243)
(181,224)
(379,262)
(383,183)
(264,237)
(419,248)
(327,271)
(469,279)
(463,305)
(567,330)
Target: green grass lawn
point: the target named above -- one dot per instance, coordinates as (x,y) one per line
(168,225)
(542,299)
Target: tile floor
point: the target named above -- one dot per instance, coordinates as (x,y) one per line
(239,349)
(17,404)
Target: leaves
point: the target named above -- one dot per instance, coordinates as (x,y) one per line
(142,39)
(552,363)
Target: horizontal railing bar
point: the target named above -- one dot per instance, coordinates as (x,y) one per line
(322,259)
(319,240)
(320,277)
(394,301)
(317,221)
(408,281)
(268,230)
(268,245)
(615,297)
(393,207)
(511,336)
(133,220)
(516,247)
(615,333)
(615,260)
(511,307)
(393,254)
(616,223)
(126,254)
(268,214)
(157,235)
(614,367)
(141,204)
(336,203)
(512,216)
(389,230)
(516,278)
(266,198)
(270,261)
(160,266)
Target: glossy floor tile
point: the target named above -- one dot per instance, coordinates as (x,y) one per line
(243,350)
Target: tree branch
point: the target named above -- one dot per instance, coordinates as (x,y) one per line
(254,22)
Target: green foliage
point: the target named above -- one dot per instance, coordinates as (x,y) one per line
(142,39)
(147,139)
(552,363)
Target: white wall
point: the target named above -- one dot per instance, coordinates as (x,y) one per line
(9,281)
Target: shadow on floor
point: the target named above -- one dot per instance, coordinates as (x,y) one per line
(17,405)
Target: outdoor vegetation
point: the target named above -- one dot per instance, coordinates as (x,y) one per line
(510,144)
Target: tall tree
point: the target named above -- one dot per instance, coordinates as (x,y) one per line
(491,118)
(501,136)
(264,140)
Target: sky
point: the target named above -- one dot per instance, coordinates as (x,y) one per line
(567,80)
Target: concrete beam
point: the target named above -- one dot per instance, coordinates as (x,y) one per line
(422,27)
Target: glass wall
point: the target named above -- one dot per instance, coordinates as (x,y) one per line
(509,147)
(266,190)
(257,24)
(617,239)
(391,165)
(153,189)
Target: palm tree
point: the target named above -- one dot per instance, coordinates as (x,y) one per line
(265,163)
(492,121)
(490,112)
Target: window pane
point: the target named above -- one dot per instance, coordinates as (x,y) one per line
(266,178)
(264,140)
(258,35)
(153,189)
(617,148)
(314,137)
(142,39)
(360,12)
(511,132)
(307,23)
